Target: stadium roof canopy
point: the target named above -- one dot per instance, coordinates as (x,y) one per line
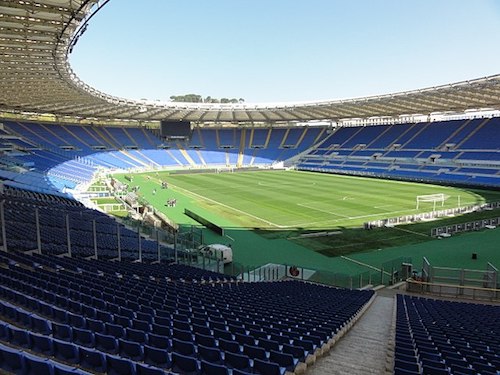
(36,37)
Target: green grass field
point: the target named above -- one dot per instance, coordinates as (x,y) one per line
(291,199)
(264,213)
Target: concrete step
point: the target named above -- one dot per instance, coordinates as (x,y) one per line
(363,350)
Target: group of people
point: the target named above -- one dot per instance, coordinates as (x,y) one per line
(172,202)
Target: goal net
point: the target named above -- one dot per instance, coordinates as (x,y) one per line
(432,198)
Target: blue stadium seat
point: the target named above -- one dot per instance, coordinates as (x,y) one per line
(59,315)
(297,352)
(435,370)
(268,345)
(11,360)
(62,331)
(182,335)
(83,337)
(208,368)
(38,366)
(96,326)
(106,343)
(283,360)
(66,351)
(136,335)
(184,364)
(266,367)
(183,347)
(60,369)
(115,330)
(220,334)
(211,355)
(157,357)
(229,346)
(120,366)
(158,341)
(4,331)
(141,325)
(205,340)
(241,372)
(306,344)
(93,360)
(131,350)
(254,352)
(143,369)
(402,371)
(244,339)
(40,325)
(161,330)
(237,361)
(42,344)
(202,329)
(19,337)
(77,321)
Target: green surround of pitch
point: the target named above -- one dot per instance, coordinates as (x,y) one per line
(450,252)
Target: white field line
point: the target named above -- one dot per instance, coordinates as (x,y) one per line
(363,264)
(288,226)
(320,210)
(410,231)
(384,206)
(350,177)
(231,208)
(349,218)
(267,184)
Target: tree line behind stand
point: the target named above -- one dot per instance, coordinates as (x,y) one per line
(195,98)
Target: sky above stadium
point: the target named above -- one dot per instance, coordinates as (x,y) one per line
(286,50)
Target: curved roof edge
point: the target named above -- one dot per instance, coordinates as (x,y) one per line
(35,76)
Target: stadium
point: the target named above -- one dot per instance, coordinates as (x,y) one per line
(354,236)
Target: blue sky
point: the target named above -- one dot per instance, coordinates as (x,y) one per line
(286,50)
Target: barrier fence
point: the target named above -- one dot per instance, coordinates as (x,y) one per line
(470,226)
(430,215)
(487,278)
(455,291)
(393,271)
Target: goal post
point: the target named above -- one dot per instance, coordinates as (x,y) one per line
(431,198)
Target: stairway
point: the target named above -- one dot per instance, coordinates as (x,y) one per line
(363,350)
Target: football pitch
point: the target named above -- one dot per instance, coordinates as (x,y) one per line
(293,199)
(266,213)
